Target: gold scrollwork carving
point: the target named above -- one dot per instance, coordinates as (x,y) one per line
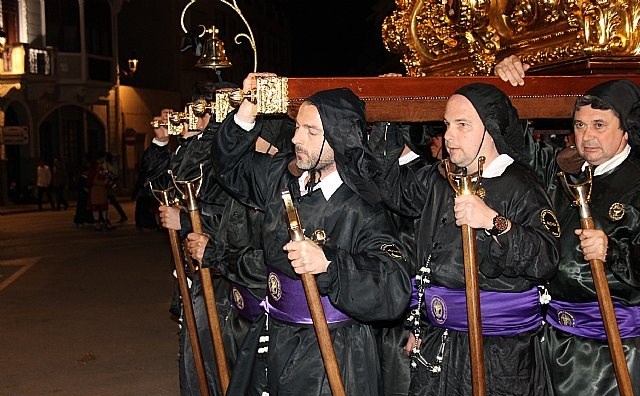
(465,37)
(272,95)
(609,27)
(222,106)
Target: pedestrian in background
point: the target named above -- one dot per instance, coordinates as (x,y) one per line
(83,212)
(43,182)
(59,183)
(99,179)
(111,188)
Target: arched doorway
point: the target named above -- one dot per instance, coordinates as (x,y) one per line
(73,134)
(19,172)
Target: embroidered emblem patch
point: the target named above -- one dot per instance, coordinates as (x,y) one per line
(550,222)
(438,309)
(275,290)
(237,298)
(319,237)
(566,319)
(391,250)
(616,211)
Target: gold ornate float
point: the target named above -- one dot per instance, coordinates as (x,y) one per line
(467,37)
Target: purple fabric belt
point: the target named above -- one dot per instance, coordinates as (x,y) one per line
(585,319)
(286,301)
(414,293)
(245,303)
(503,314)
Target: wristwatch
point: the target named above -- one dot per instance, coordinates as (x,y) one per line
(500,224)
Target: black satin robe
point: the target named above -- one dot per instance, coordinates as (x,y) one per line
(582,366)
(185,164)
(524,257)
(393,336)
(363,280)
(237,253)
(154,164)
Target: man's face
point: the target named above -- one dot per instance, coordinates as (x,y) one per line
(599,135)
(464,132)
(308,140)
(435,147)
(203,121)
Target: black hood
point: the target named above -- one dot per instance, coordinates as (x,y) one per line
(499,117)
(343,120)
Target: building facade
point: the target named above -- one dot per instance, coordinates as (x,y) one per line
(68,92)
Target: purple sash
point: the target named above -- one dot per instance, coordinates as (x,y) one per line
(503,314)
(414,293)
(287,302)
(585,319)
(244,302)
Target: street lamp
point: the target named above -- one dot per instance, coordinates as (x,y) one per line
(130,69)
(132,66)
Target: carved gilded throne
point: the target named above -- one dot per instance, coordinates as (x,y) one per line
(467,37)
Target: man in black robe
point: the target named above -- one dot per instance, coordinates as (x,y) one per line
(237,252)
(515,251)
(606,123)
(607,133)
(392,336)
(359,270)
(190,161)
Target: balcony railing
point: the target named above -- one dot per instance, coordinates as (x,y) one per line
(24,59)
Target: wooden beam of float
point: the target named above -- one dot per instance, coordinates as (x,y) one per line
(424,98)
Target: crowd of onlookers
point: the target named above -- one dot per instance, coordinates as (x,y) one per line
(94,183)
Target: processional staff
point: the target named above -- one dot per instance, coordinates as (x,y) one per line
(190,191)
(581,195)
(315,305)
(463,184)
(163,197)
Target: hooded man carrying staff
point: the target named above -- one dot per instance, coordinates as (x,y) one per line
(515,251)
(359,270)
(607,134)
(190,161)
(606,122)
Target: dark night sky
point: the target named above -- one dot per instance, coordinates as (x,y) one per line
(340,38)
(328,38)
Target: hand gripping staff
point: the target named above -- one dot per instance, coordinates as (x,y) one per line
(162,196)
(581,195)
(315,305)
(190,191)
(464,185)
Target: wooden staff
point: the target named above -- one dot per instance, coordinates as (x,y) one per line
(192,267)
(463,185)
(190,194)
(581,194)
(315,305)
(187,305)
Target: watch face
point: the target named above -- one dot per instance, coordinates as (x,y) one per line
(500,223)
